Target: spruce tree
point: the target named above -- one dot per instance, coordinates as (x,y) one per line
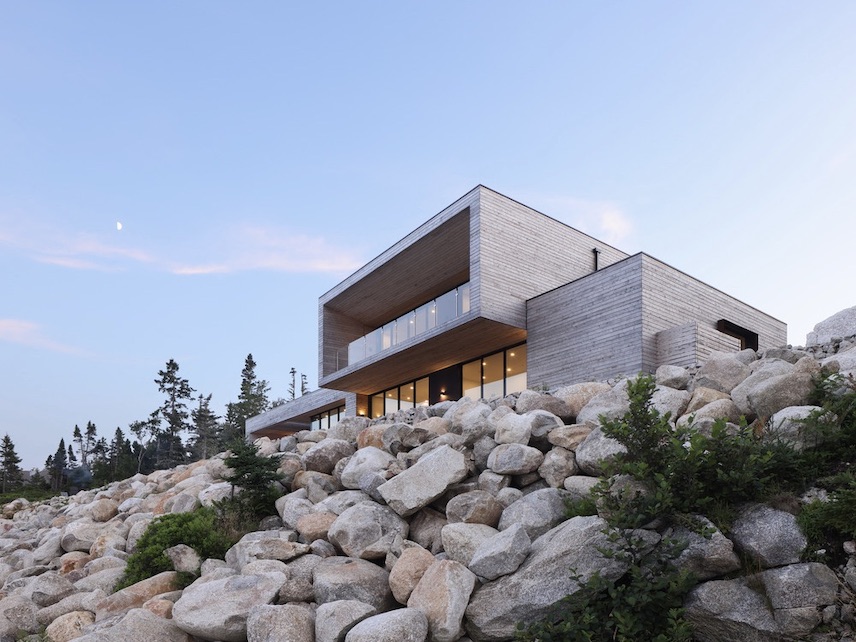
(10,466)
(58,467)
(205,427)
(252,401)
(174,410)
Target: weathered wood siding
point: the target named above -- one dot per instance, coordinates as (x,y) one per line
(631,317)
(589,329)
(523,253)
(671,297)
(691,344)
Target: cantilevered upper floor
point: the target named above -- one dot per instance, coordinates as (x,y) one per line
(453,289)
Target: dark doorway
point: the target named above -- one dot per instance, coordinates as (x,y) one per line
(445,384)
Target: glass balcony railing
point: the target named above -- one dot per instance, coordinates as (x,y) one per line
(445,308)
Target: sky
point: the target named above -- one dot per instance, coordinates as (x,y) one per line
(257,153)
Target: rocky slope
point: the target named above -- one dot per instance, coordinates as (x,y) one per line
(441,523)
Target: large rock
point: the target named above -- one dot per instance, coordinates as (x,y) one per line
(401,625)
(763,370)
(134,596)
(286,623)
(333,620)
(537,512)
(779,392)
(442,595)
(474,507)
(721,372)
(425,481)
(345,578)
(462,540)
(544,578)
(407,571)
(595,451)
(670,376)
(778,604)
(80,535)
(365,461)
(69,626)
(789,425)
(611,404)
(839,325)
(366,530)
(558,465)
(529,400)
(579,394)
(569,437)
(514,459)
(501,554)
(706,557)
(323,456)
(771,537)
(217,609)
(140,625)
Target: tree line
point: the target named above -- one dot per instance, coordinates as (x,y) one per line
(181,430)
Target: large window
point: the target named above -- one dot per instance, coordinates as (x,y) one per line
(327,419)
(494,375)
(445,308)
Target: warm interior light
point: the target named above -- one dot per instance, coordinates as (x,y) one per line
(510,354)
(508,369)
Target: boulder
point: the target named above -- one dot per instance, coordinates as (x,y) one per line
(789,425)
(366,530)
(761,371)
(569,437)
(529,400)
(407,571)
(334,620)
(502,553)
(595,450)
(558,465)
(544,578)
(461,540)
(706,557)
(69,626)
(675,377)
(442,595)
(217,609)
(721,372)
(703,396)
(514,459)
(670,400)
(134,596)
(401,625)
(346,578)
(771,537)
(474,507)
(425,481)
(779,392)
(537,512)
(140,625)
(578,395)
(839,325)
(611,404)
(365,460)
(323,456)
(286,623)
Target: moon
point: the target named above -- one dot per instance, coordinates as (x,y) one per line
(119,226)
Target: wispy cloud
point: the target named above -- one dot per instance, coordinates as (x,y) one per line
(236,249)
(30,334)
(275,249)
(605,220)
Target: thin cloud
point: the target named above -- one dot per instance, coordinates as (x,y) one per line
(30,334)
(241,249)
(604,220)
(276,250)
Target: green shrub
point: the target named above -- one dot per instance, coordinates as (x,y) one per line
(256,476)
(198,529)
(684,470)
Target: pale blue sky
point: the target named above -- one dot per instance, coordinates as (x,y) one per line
(256,153)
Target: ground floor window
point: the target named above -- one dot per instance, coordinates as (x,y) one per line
(493,375)
(327,419)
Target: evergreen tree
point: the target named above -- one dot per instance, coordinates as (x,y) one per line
(174,410)
(252,401)
(146,433)
(58,467)
(77,438)
(292,387)
(304,384)
(9,464)
(89,440)
(206,429)
(72,458)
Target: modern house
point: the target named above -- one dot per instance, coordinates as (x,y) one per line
(490,297)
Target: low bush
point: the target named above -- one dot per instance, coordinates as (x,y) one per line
(198,529)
